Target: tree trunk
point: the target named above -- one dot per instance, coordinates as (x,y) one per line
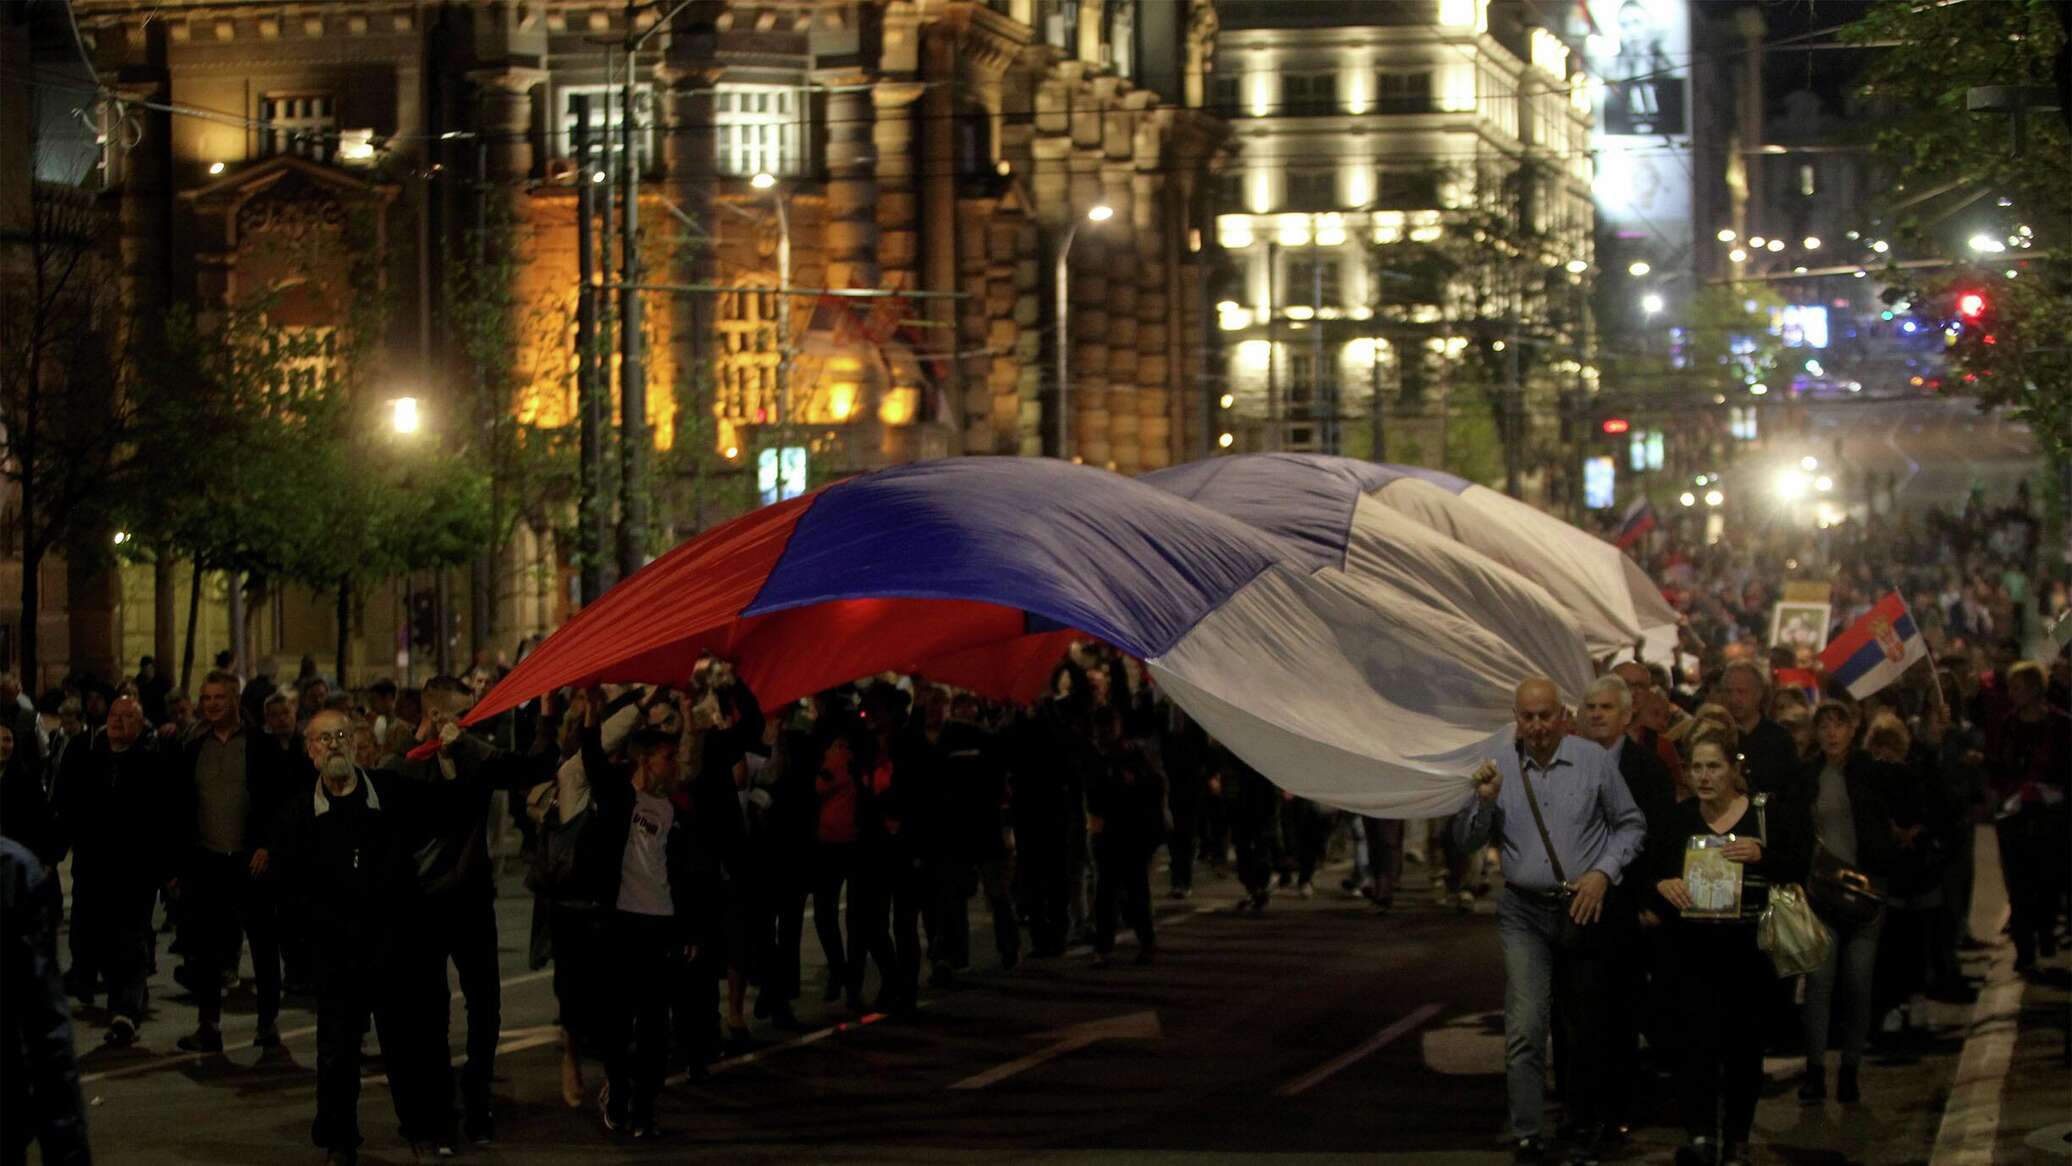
(32,604)
(239,645)
(482,599)
(193,622)
(345,623)
(165,587)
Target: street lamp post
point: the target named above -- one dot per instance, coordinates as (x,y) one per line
(1099,213)
(765,181)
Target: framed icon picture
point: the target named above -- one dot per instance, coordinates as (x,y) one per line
(1799,625)
(1713,881)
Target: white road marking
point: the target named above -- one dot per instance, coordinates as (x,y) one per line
(172,1059)
(1971,1120)
(1353,1056)
(1071,1038)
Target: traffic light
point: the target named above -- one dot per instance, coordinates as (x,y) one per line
(1614,426)
(1971,305)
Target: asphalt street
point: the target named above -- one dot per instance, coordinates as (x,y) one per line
(1320,1031)
(1937,447)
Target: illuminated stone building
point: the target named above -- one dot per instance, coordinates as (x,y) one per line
(1409,214)
(936,148)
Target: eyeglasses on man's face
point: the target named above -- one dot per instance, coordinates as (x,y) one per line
(334,738)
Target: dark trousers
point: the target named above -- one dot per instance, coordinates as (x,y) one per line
(461,926)
(1040,864)
(789,887)
(951,881)
(834,863)
(1384,853)
(1181,845)
(1255,834)
(908,890)
(1122,878)
(348,992)
(1310,830)
(1723,980)
(578,937)
(645,953)
(996,880)
(220,898)
(115,938)
(2032,859)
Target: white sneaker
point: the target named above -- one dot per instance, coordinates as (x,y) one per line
(1306,891)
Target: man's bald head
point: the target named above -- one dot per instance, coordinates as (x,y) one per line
(1537,689)
(1540,717)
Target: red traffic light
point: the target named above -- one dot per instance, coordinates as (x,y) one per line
(1971,305)
(1615,425)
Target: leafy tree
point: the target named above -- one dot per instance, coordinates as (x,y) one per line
(2004,172)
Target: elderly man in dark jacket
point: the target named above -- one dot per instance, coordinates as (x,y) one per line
(347,855)
(114,796)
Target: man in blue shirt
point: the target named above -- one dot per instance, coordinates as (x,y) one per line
(1550,916)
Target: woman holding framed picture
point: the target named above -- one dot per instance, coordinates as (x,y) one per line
(1713,857)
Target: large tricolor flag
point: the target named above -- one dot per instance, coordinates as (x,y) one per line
(1875,650)
(1635,523)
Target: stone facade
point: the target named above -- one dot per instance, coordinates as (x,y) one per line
(934,148)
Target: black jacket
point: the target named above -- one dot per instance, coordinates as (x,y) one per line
(1128,796)
(452,856)
(348,867)
(1880,797)
(1648,780)
(114,808)
(694,887)
(1787,848)
(271,776)
(1769,757)
(39,1077)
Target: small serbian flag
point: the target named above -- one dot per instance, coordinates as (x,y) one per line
(1875,650)
(1803,679)
(1637,521)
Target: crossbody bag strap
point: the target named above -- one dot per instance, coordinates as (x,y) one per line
(1538,820)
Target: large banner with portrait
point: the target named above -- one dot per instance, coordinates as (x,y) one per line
(1639,54)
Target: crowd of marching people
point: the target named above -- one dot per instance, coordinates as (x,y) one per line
(673,839)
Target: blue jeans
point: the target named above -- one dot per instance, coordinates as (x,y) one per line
(1538,971)
(1851,963)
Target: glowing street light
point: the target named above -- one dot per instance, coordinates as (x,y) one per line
(1726,235)
(1577,266)
(404,416)
(763,180)
(1738,255)
(1809,463)
(1651,303)
(1715,498)
(1687,498)
(1638,267)
(1098,213)
(1810,243)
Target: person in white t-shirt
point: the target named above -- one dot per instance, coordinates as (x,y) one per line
(643,873)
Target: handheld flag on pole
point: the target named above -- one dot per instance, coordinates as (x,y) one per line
(1875,650)
(1636,522)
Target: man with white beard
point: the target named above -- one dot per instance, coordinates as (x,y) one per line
(346,854)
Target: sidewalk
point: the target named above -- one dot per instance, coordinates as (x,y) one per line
(2010,1101)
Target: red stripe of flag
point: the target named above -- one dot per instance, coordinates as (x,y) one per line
(1857,634)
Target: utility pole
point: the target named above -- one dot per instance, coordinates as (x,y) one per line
(1514,411)
(633,440)
(590,415)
